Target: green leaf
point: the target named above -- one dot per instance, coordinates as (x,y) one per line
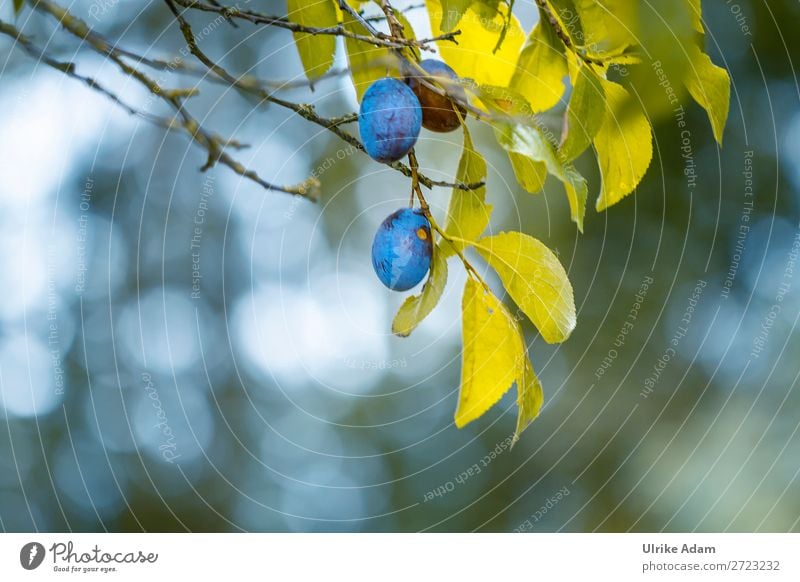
(710,86)
(493,354)
(316,51)
(541,68)
(474,56)
(368,62)
(535,279)
(585,113)
(624,145)
(417,307)
(530,397)
(468,214)
(530,142)
(18,4)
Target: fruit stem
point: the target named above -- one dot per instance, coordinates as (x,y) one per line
(413,164)
(426,210)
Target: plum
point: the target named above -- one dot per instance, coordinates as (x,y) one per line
(402,249)
(389,120)
(438,112)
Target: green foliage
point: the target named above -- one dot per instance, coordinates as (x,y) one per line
(626,61)
(18,4)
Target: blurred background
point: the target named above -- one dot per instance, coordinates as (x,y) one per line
(186,351)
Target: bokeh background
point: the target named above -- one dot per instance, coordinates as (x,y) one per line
(272,396)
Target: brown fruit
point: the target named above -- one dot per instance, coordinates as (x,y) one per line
(438,111)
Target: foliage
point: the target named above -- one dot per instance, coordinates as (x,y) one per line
(511,79)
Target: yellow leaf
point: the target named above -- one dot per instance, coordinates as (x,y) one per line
(535,279)
(493,355)
(452,11)
(468,214)
(530,397)
(417,307)
(530,174)
(696,13)
(585,113)
(600,26)
(530,142)
(624,145)
(368,62)
(541,68)
(473,56)
(316,51)
(710,86)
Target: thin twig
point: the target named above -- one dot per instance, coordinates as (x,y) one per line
(381,17)
(69,69)
(375,37)
(306,111)
(562,33)
(211,142)
(426,210)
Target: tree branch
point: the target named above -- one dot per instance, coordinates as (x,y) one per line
(69,69)
(563,34)
(175,98)
(306,111)
(211,142)
(375,37)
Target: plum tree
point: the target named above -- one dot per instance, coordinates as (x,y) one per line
(402,249)
(389,120)
(516,90)
(438,111)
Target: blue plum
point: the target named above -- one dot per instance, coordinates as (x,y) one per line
(389,120)
(402,249)
(438,111)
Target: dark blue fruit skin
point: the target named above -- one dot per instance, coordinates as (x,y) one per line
(402,249)
(389,120)
(438,113)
